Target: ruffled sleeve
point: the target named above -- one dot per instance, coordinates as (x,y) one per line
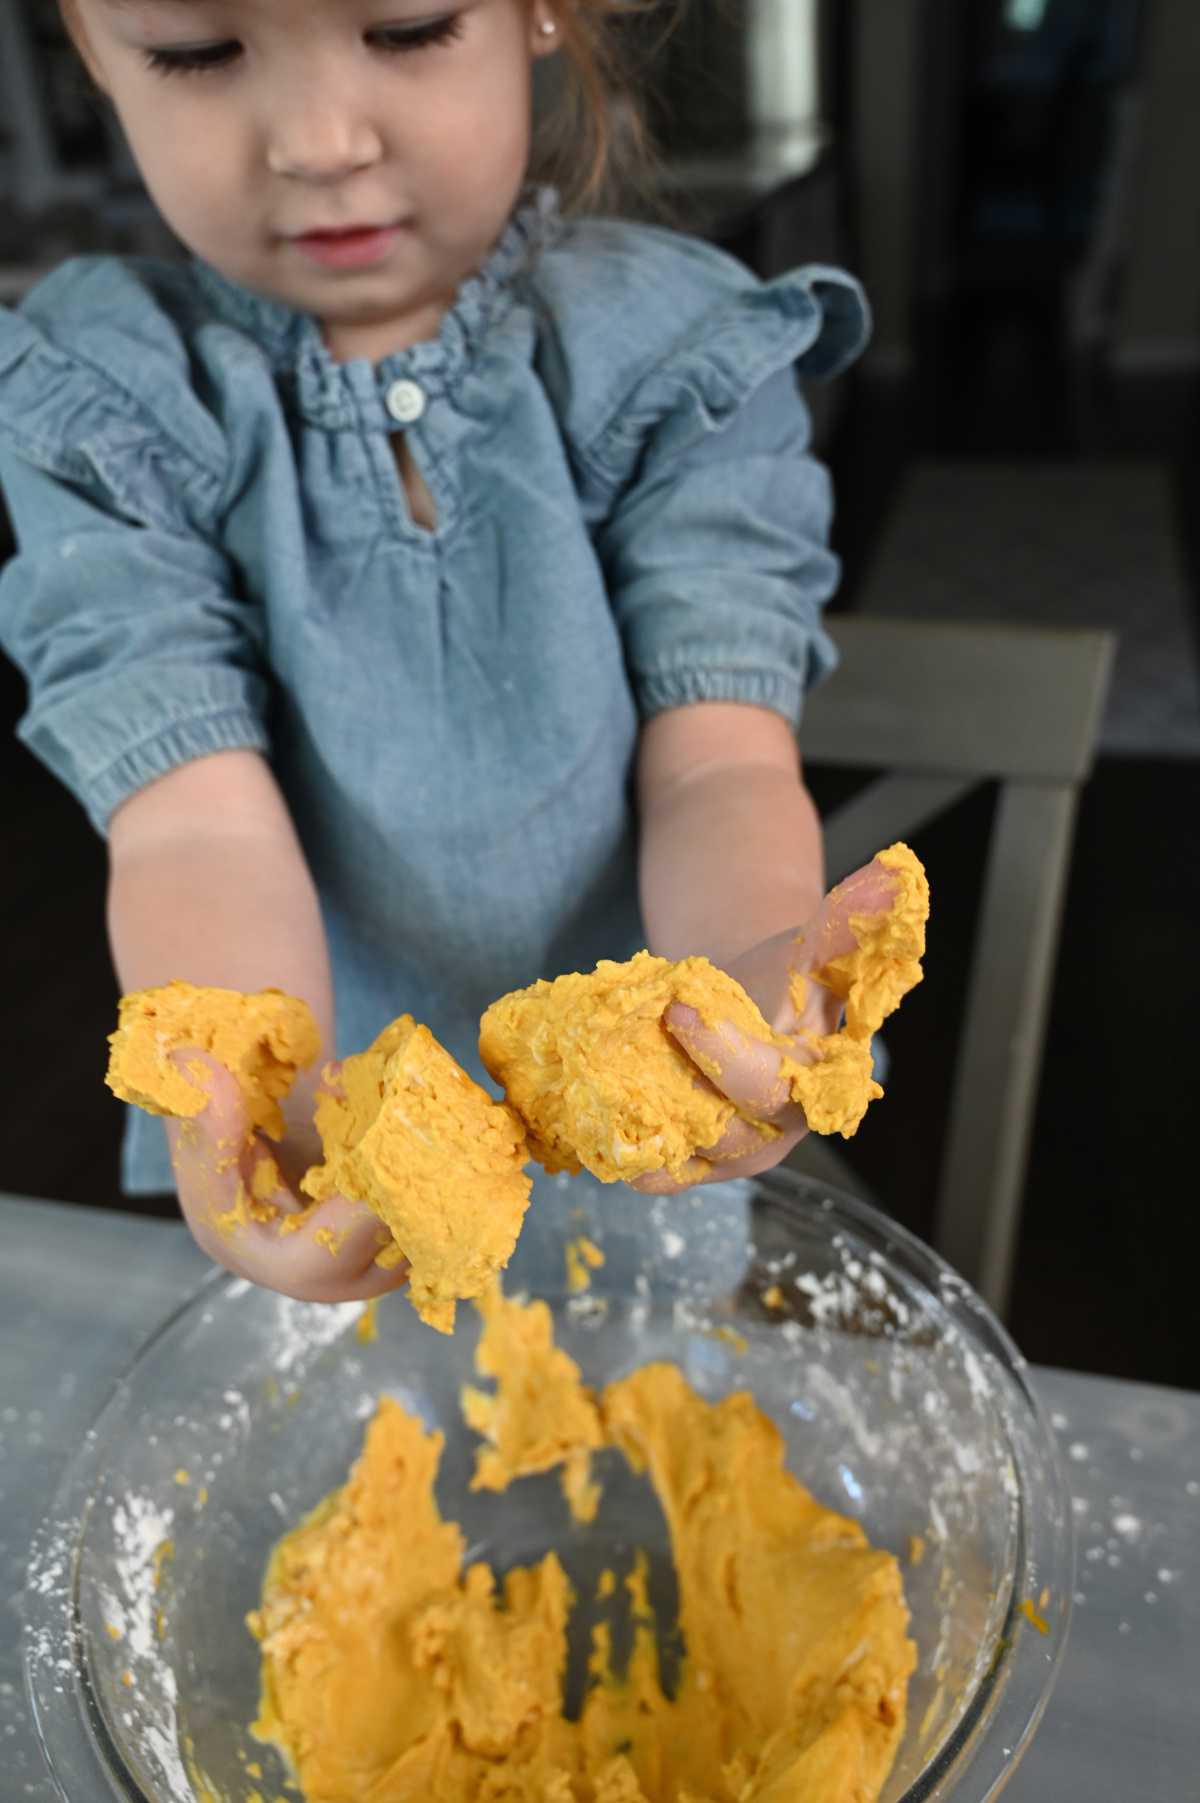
(709,513)
(119,605)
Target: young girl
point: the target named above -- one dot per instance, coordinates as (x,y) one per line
(419,585)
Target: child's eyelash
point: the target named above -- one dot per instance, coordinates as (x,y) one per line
(417,37)
(187,62)
(395,40)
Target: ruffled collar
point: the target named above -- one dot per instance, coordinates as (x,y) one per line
(292,339)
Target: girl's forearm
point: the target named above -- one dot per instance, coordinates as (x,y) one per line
(729,857)
(208,882)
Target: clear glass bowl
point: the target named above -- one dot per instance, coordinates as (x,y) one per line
(901,1400)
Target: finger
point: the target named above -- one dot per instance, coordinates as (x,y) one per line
(218,1150)
(207,1149)
(319,1252)
(327,1254)
(665,1183)
(246,1219)
(744,1069)
(764,1155)
(330,1081)
(765,1158)
(744,1138)
(829,934)
(763,970)
(748,1070)
(323,1253)
(301,1144)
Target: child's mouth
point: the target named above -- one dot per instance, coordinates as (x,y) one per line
(350,249)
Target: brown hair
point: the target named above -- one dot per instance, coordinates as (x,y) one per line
(592,140)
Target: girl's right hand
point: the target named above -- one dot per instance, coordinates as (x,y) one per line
(237,1202)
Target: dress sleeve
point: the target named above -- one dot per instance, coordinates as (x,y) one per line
(119,604)
(716,543)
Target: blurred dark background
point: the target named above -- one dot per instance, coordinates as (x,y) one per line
(1018,183)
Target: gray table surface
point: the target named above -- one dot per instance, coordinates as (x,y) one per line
(81,1288)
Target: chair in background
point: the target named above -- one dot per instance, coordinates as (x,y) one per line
(940,708)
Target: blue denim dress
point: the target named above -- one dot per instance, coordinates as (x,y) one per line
(215,550)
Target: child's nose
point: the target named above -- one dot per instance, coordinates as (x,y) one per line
(323,138)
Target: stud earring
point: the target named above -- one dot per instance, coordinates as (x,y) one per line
(548,28)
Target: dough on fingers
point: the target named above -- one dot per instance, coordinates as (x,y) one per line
(593,1072)
(407,1132)
(262,1038)
(871,980)
(601,1084)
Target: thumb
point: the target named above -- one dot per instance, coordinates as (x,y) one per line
(745,1070)
(748,1070)
(246,1218)
(216,1154)
(869,890)
(212,1139)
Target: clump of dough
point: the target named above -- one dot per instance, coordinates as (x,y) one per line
(594,1074)
(263,1039)
(438,1160)
(390,1671)
(601,1084)
(541,1413)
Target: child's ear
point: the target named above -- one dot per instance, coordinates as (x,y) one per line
(77,32)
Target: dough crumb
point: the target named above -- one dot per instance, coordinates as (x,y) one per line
(583,1256)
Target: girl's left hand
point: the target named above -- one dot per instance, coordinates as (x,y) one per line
(222,1162)
(748,1069)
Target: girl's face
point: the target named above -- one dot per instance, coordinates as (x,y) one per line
(256,123)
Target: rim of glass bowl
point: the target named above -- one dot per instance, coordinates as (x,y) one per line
(68,1720)
(996,1725)
(1010,1699)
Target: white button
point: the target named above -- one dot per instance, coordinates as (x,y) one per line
(406,401)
